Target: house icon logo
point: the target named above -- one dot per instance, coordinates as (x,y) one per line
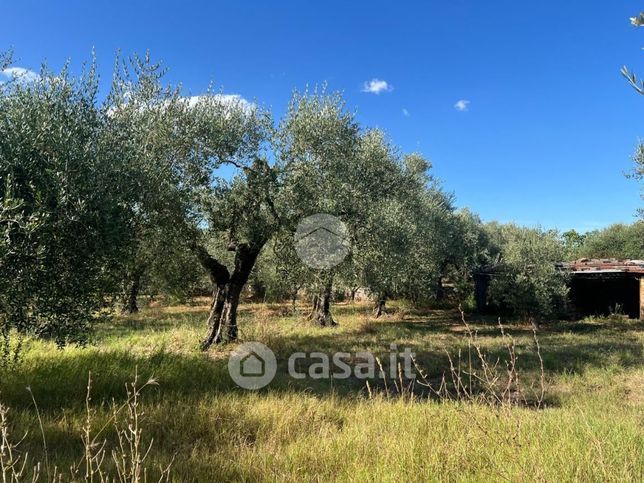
(321,241)
(252,365)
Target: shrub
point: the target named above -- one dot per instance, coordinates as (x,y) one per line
(527,282)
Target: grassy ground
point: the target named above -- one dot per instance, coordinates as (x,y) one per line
(590,430)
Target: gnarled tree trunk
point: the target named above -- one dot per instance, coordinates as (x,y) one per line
(222,319)
(294,302)
(439,292)
(352,294)
(314,305)
(214,316)
(380,307)
(131,294)
(321,313)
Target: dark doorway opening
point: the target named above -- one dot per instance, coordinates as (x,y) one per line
(603,294)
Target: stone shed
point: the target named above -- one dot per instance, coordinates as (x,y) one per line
(597,287)
(601,286)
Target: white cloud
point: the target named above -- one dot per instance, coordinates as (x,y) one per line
(225,99)
(461,105)
(20,73)
(376,86)
(405,112)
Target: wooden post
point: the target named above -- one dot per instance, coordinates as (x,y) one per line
(641,297)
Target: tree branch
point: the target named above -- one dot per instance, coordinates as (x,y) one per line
(217,271)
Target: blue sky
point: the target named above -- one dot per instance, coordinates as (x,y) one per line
(544,138)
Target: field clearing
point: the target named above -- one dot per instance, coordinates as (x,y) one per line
(592,428)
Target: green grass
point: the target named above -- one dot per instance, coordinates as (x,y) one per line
(313,430)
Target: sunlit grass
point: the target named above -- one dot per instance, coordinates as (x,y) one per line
(591,429)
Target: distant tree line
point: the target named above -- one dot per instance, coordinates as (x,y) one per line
(619,241)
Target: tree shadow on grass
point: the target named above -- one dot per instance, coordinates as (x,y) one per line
(565,347)
(157,318)
(60,380)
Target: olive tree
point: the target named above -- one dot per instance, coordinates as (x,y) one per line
(461,247)
(638,171)
(633,80)
(527,281)
(396,236)
(64,213)
(316,147)
(638,85)
(280,271)
(199,182)
(239,213)
(150,125)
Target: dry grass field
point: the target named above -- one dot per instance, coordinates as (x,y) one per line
(200,424)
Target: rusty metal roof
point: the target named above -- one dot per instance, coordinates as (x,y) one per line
(604,265)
